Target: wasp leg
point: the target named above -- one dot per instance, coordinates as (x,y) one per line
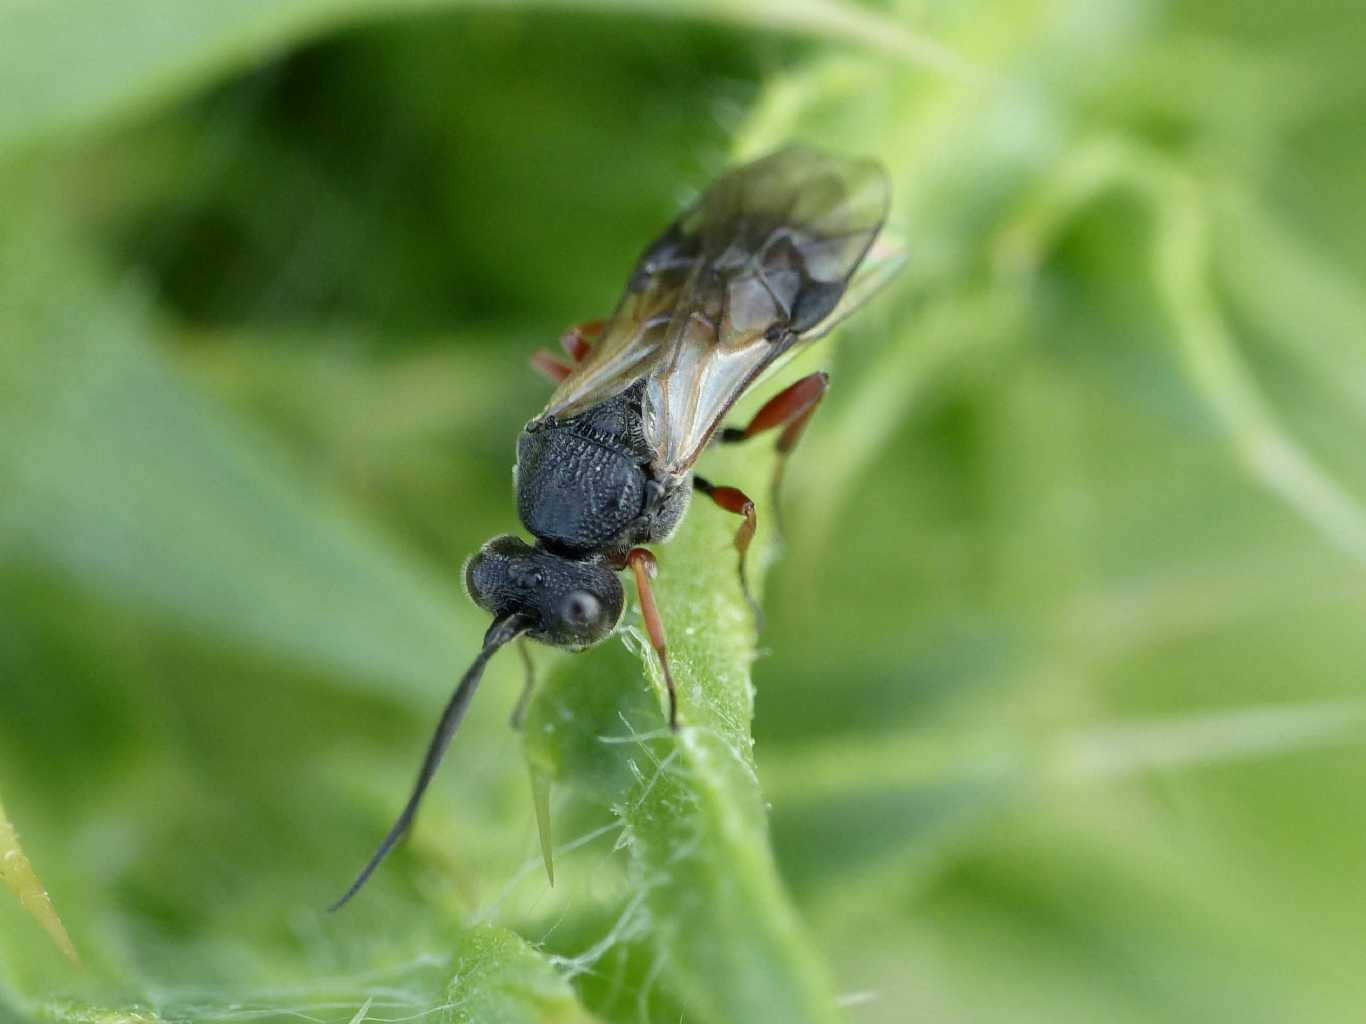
(791,409)
(575,341)
(528,687)
(643,564)
(575,344)
(549,367)
(732,499)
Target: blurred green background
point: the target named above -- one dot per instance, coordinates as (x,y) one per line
(1059,707)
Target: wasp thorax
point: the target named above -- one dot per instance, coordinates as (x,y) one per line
(573,603)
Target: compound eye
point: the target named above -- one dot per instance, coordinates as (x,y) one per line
(581,609)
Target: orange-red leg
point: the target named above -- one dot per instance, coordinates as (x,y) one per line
(734,500)
(575,343)
(791,409)
(549,367)
(643,565)
(576,340)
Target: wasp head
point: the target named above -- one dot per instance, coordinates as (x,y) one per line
(569,603)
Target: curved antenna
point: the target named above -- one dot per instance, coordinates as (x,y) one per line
(501,632)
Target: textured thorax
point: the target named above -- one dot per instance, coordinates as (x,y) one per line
(583,481)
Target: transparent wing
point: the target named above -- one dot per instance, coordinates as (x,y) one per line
(633,340)
(780,240)
(761,260)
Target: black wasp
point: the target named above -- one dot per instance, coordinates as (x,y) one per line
(770,257)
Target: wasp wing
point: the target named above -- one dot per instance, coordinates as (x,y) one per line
(761,260)
(780,240)
(881,263)
(634,339)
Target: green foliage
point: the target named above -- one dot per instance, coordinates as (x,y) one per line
(18,875)
(497,976)
(1059,701)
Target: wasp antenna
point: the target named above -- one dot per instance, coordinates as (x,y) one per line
(501,632)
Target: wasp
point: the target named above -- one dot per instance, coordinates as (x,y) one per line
(770,257)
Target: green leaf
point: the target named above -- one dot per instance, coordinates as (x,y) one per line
(498,977)
(18,874)
(723,937)
(120,475)
(123,57)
